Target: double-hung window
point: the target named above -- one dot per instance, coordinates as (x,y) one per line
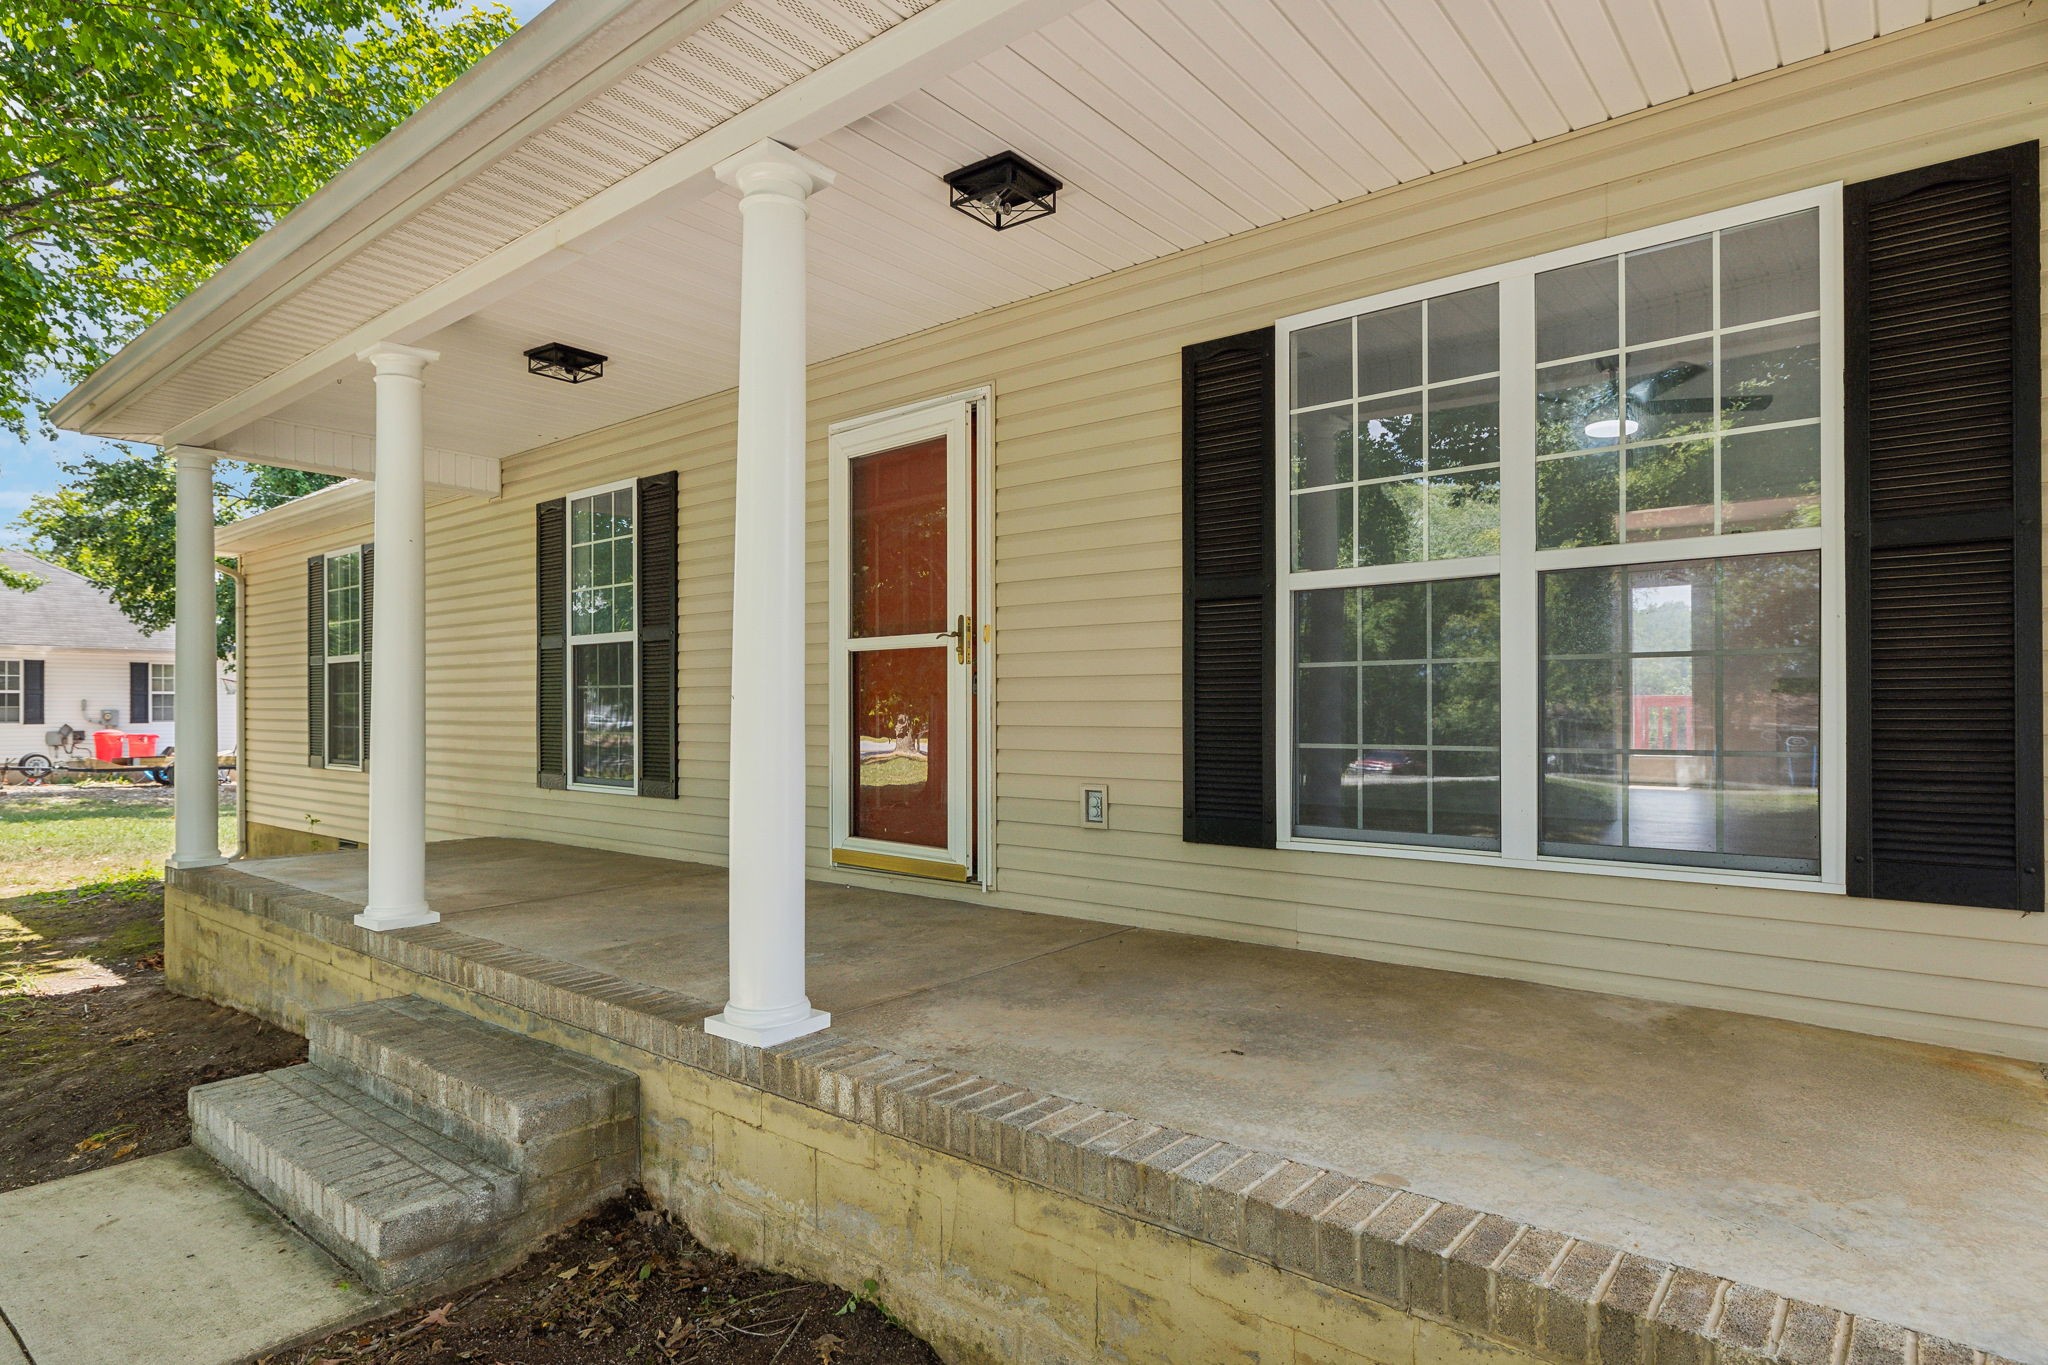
(603,657)
(10,691)
(344,658)
(1560,560)
(163,694)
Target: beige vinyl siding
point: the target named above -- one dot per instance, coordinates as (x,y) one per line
(1087,587)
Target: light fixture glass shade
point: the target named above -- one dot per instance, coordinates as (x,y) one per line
(1003,191)
(559,360)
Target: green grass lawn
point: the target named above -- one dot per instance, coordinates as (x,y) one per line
(81,884)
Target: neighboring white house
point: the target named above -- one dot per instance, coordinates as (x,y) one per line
(70,659)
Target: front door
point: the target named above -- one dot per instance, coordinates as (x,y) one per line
(903,643)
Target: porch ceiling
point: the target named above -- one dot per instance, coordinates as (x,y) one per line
(1172,123)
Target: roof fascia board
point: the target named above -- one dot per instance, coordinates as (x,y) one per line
(338,502)
(932,43)
(547,69)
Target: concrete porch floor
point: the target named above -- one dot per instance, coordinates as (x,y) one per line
(1892,1179)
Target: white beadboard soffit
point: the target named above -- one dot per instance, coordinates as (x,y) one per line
(1172,122)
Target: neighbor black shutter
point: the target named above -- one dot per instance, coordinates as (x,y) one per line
(138,694)
(550,557)
(1227,607)
(316,662)
(368,578)
(31,691)
(1944,575)
(656,547)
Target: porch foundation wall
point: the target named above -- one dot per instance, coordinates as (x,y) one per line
(1007,1224)
(983,1265)
(277,841)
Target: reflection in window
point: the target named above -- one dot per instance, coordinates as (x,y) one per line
(603,649)
(1681,712)
(1397,713)
(1678,388)
(1395,440)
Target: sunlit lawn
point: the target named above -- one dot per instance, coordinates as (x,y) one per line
(80,884)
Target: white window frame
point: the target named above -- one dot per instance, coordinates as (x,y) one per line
(328,660)
(1520,564)
(163,701)
(18,692)
(570,639)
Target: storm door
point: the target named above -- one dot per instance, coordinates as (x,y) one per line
(903,644)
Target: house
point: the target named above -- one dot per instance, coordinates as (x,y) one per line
(1235,679)
(71,663)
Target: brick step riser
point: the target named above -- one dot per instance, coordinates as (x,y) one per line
(398,1248)
(557,1142)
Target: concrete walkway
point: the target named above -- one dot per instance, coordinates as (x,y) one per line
(163,1259)
(1895,1180)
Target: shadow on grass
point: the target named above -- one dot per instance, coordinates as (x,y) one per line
(56,809)
(111,922)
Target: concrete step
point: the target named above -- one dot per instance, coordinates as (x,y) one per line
(393,1199)
(422,1147)
(535,1108)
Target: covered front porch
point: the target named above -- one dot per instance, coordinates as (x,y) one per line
(1570,1173)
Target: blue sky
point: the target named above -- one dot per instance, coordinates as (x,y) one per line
(30,467)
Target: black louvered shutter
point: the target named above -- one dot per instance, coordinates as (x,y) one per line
(316,662)
(369,582)
(31,691)
(1227,792)
(550,557)
(138,694)
(1944,581)
(656,542)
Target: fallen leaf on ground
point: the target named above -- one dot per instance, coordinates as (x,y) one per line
(438,1317)
(828,1347)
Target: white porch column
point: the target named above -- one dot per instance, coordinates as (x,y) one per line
(196,670)
(398,676)
(766,1002)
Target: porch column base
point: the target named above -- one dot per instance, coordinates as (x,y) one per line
(382,920)
(763,1033)
(181,864)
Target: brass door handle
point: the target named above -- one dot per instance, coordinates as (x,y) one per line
(962,636)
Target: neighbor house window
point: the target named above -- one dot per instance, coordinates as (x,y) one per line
(1559,559)
(10,691)
(603,658)
(163,694)
(344,672)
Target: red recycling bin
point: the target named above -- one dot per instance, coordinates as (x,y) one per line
(107,745)
(141,746)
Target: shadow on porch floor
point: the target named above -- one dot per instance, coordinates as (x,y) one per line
(1893,1179)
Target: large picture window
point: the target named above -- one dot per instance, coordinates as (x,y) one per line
(344,674)
(1561,574)
(603,650)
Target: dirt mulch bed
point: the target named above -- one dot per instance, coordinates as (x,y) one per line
(626,1284)
(100,1076)
(95,1055)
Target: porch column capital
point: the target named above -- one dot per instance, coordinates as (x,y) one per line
(194,679)
(770,169)
(390,358)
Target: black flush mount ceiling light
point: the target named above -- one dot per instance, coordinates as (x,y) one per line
(1003,191)
(558,360)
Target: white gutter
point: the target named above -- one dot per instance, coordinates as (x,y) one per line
(568,53)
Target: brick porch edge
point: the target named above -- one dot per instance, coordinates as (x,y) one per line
(1571,1299)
